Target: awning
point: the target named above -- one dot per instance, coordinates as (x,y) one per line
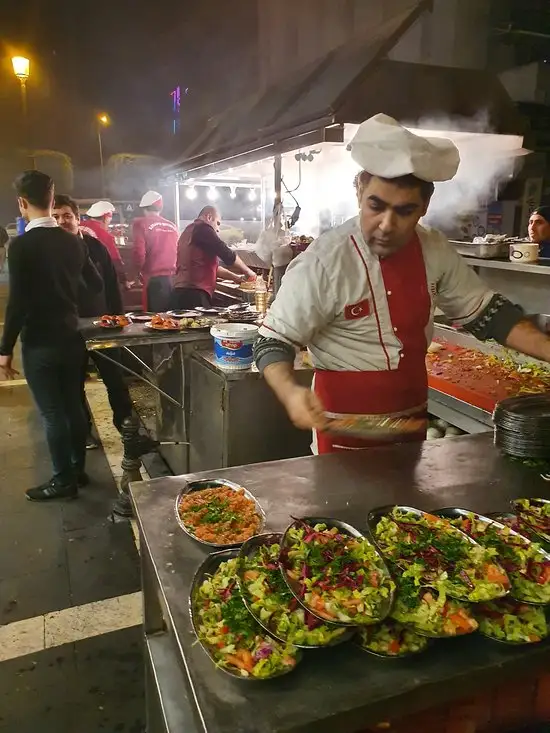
(349,85)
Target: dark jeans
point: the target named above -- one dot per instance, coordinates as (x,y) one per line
(117,390)
(159,290)
(188,298)
(54,376)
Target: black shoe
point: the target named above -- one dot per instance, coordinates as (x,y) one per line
(92,443)
(82,479)
(52,490)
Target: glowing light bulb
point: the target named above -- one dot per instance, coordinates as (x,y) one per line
(212,194)
(191,193)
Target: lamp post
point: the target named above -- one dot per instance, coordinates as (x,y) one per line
(103,120)
(21,69)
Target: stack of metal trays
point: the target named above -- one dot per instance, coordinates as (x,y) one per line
(522,426)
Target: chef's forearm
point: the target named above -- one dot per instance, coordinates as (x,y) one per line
(526,338)
(496,320)
(240,267)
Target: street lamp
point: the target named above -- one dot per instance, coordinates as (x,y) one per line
(22,70)
(103,120)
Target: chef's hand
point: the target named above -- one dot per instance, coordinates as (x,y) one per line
(6,369)
(305,409)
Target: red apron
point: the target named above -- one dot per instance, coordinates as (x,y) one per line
(404,389)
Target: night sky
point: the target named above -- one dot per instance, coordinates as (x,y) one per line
(121,57)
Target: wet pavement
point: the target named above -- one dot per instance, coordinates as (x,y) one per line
(56,560)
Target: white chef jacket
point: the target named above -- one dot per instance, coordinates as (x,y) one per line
(336,273)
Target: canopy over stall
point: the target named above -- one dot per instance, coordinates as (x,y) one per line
(349,85)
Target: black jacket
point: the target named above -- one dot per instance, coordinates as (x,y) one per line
(47,265)
(108,300)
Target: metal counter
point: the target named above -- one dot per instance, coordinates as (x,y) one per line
(341,689)
(235,418)
(462,414)
(160,359)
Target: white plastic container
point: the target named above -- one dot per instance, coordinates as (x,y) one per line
(233,344)
(524,252)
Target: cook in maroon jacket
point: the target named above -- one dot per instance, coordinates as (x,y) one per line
(199,249)
(155,245)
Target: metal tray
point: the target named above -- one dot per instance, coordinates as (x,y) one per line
(358,644)
(541,535)
(346,529)
(376,515)
(455,513)
(515,643)
(212,484)
(208,568)
(482,250)
(249,549)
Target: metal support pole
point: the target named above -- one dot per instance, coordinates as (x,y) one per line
(101,159)
(278,272)
(177,205)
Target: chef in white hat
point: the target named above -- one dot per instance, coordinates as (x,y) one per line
(97,225)
(362,297)
(155,248)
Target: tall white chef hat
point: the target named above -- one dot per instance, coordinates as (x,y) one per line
(100,208)
(151,198)
(385,148)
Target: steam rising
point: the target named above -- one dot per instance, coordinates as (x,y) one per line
(487,162)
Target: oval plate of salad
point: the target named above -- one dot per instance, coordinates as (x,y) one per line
(230,636)
(391,640)
(525,562)
(335,572)
(430,612)
(536,514)
(218,513)
(436,554)
(511,622)
(269,600)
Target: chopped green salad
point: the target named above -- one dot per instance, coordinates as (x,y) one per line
(430,612)
(235,640)
(514,622)
(524,561)
(339,578)
(391,639)
(436,554)
(535,513)
(272,603)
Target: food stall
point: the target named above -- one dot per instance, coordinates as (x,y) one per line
(206,416)
(471,683)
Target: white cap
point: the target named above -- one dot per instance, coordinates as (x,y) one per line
(100,208)
(150,199)
(385,148)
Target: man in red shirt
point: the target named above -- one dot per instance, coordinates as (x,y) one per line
(97,226)
(155,246)
(199,250)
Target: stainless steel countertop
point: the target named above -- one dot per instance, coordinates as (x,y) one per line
(135,335)
(207,357)
(341,689)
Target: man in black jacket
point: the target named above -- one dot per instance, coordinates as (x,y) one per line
(92,304)
(46,266)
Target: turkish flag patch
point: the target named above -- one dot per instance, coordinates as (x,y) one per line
(357,310)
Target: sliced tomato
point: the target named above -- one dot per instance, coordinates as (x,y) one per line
(495,575)
(394,647)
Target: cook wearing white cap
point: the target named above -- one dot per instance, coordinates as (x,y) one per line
(362,297)
(101,214)
(155,246)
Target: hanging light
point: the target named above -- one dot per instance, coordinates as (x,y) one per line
(212,194)
(233,193)
(191,193)
(252,195)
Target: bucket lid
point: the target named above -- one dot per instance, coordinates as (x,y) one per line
(234,330)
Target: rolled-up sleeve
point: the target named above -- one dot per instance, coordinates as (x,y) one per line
(461,294)
(469,303)
(304,304)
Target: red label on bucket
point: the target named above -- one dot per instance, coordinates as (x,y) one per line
(235,345)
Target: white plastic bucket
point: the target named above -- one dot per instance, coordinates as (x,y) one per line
(233,344)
